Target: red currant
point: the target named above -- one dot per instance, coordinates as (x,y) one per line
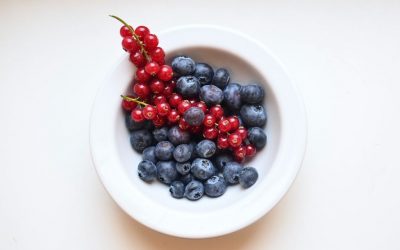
(234,121)
(172,83)
(217,111)
(157,86)
(137,115)
(128,105)
(239,159)
(195,129)
(150,42)
(210,133)
(192,101)
(209,121)
(183,106)
(250,150)
(240,152)
(125,31)
(141,90)
(234,140)
(163,108)
(152,68)
(183,124)
(129,44)
(159,99)
(142,75)
(138,59)
(149,112)
(158,55)
(175,99)
(165,73)
(202,105)
(222,141)
(159,121)
(173,116)
(224,125)
(168,90)
(142,31)
(242,131)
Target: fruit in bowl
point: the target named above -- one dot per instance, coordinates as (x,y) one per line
(246,61)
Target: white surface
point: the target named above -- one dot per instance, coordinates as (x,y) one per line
(343,55)
(152,205)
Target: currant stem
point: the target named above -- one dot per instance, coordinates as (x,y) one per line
(133,100)
(136,37)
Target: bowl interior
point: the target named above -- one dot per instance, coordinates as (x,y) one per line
(241,72)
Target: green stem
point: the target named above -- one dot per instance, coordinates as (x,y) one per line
(136,37)
(133,100)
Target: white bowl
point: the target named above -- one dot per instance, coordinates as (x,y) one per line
(277,164)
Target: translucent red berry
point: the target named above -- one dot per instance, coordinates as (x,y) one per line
(142,75)
(159,121)
(149,112)
(175,99)
(217,111)
(141,90)
(240,152)
(195,129)
(150,42)
(183,106)
(202,105)
(158,55)
(125,31)
(137,115)
(234,121)
(159,99)
(242,131)
(138,59)
(157,86)
(173,116)
(165,73)
(129,44)
(152,68)
(209,121)
(250,150)
(234,140)
(142,31)
(128,105)
(222,141)
(210,133)
(224,125)
(183,124)
(163,109)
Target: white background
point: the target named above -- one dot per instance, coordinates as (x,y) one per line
(344,56)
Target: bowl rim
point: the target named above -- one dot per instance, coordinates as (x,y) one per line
(296,160)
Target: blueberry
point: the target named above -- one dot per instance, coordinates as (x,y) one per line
(141,139)
(211,95)
(206,148)
(186,178)
(252,93)
(160,134)
(188,86)
(215,186)
(257,137)
(204,73)
(166,171)
(231,172)
(221,160)
(177,189)
(131,124)
(178,136)
(253,115)
(164,150)
(183,65)
(192,145)
(183,167)
(147,171)
(232,96)
(194,190)
(248,176)
(149,154)
(202,169)
(194,116)
(221,78)
(182,152)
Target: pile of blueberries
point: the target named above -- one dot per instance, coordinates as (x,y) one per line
(194,164)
